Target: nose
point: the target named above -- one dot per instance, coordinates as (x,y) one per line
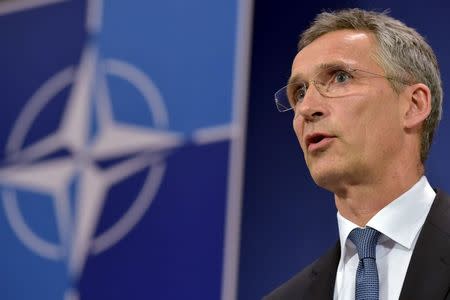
(312,108)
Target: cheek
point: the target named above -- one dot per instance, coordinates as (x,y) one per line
(355,123)
(297,125)
(383,117)
(375,123)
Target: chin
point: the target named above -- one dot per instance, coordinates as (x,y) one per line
(328,178)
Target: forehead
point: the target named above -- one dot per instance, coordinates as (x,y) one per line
(350,47)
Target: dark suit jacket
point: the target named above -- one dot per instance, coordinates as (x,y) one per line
(427,278)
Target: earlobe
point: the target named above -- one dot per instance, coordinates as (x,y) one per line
(419,105)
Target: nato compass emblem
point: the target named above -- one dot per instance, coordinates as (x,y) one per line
(88,153)
(87,134)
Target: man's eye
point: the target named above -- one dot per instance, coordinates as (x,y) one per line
(299,94)
(341,77)
(296,94)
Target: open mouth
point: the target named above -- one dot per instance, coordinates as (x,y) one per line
(317,140)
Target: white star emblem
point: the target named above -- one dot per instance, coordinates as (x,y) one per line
(30,169)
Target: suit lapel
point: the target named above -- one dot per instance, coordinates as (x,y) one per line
(428,274)
(323,275)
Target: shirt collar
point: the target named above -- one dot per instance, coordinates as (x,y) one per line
(401,219)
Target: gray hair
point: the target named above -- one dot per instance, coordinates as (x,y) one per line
(402,53)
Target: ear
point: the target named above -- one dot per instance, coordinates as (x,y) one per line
(418,105)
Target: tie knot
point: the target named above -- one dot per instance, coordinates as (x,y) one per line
(365,241)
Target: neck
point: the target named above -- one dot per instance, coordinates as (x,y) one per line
(360,202)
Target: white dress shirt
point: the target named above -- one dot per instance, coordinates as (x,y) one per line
(399,223)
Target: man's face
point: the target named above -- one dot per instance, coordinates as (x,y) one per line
(350,139)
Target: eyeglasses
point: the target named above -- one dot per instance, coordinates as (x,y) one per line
(331,82)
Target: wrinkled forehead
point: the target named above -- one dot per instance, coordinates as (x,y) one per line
(356,49)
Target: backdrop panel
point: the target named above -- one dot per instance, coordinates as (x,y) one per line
(121,137)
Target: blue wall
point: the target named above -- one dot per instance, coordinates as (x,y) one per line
(121,146)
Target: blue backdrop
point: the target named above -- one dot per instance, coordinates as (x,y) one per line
(123,143)
(121,148)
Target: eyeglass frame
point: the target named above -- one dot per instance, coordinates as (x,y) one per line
(323,87)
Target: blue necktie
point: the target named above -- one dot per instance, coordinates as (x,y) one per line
(365,241)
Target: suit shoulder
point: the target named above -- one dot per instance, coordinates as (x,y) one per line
(304,283)
(439,215)
(295,287)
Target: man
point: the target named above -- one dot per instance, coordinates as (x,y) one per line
(366,94)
